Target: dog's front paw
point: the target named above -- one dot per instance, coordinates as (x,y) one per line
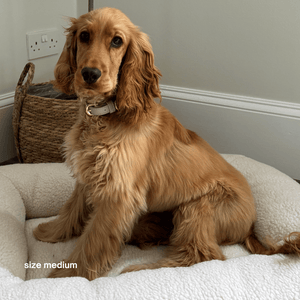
(46,232)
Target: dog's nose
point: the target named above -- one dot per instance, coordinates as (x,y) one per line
(90,75)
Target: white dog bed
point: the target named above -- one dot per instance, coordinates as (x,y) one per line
(32,194)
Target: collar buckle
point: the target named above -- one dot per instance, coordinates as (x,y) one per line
(95,110)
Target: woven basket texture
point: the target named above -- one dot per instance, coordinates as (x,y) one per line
(40,123)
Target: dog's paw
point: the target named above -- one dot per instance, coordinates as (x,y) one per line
(46,232)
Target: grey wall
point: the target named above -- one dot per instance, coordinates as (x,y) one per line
(16,19)
(249,48)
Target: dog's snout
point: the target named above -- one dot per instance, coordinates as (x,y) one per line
(90,75)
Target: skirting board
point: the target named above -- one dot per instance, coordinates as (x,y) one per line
(7,99)
(265,130)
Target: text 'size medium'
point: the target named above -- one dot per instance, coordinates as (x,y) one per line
(61,264)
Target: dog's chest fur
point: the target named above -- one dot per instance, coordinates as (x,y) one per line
(103,156)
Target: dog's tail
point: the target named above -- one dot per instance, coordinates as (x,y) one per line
(291,244)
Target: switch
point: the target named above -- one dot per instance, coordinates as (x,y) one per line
(44,38)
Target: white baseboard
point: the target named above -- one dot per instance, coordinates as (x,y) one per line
(257,105)
(265,130)
(7,99)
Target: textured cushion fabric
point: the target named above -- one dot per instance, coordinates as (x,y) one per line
(43,187)
(37,191)
(277,197)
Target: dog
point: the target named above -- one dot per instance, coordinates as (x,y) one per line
(141,177)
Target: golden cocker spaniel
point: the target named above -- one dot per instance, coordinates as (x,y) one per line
(141,176)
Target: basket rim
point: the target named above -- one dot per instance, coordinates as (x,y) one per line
(53,99)
(46,98)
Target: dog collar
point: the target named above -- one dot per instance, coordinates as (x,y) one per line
(94,110)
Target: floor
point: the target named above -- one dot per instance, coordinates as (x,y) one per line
(10,162)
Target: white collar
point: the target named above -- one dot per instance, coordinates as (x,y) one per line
(95,110)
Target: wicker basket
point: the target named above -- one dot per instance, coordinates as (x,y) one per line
(40,123)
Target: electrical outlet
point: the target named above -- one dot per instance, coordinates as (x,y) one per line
(42,43)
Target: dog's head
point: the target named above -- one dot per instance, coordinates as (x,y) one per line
(105,54)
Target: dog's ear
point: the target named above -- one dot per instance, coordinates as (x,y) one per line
(138,77)
(66,66)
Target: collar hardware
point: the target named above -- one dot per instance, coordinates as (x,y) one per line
(95,110)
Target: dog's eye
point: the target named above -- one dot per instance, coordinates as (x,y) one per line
(84,37)
(116,42)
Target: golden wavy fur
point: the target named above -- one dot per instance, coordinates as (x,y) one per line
(141,176)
